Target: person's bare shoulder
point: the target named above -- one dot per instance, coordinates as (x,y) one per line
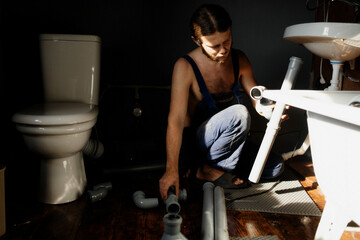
(182,68)
(183,75)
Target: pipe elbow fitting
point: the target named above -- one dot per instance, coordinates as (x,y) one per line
(256,92)
(144,203)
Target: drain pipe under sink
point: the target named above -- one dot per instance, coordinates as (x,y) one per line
(273,125)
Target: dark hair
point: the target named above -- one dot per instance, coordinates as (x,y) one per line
(208,19)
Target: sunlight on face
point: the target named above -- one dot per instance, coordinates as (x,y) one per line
(217,46)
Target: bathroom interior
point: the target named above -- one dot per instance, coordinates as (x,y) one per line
(140,41)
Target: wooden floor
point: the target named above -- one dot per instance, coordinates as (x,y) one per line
(116,216)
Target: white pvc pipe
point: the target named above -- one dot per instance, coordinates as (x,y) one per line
(214,220)
(257,92)
(273,125)
(207,226)
(298,152)
(221,227)
(335,79)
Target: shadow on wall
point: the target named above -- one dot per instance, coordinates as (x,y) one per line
(132,123)
(141,40)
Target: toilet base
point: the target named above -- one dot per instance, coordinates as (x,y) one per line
(62,180)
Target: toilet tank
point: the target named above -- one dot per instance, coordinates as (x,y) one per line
(70,67)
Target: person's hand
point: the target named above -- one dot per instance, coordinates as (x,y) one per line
(285,116)
(170,178)
(266,108)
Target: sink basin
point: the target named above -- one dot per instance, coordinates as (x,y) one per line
(338,42)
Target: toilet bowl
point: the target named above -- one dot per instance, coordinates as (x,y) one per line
(57,133)
(58,129)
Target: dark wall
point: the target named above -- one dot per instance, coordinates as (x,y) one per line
(140,42)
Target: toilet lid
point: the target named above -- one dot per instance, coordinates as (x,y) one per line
(56,114)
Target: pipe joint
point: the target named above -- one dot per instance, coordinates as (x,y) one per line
(144,203)
(172,226)
(275,121)
(272,126)
(172,201)
(256,92)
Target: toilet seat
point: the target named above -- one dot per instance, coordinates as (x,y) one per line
(56,113)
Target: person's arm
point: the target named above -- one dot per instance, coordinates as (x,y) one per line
(181,82)
(246,75)
(248,82)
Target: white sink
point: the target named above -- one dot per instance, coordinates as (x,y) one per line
(334,41)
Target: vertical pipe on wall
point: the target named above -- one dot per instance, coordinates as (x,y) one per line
(273,125)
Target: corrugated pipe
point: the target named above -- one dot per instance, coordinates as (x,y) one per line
(94,149)
(214,221)
(99,191)
(171,203)
(273,125)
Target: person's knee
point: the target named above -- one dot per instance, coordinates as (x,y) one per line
(227,128)
(240,117)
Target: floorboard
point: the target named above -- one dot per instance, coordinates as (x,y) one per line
(117,217)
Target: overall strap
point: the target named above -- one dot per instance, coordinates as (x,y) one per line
(203,89)
(235,61)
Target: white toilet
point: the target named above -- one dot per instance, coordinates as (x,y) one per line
(58,129)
